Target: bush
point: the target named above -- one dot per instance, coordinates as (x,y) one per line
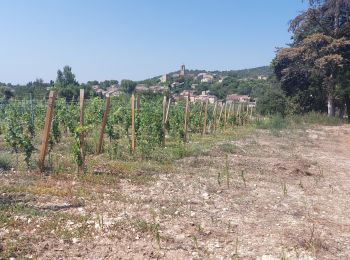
(276,122)
(272,102)
(5,162)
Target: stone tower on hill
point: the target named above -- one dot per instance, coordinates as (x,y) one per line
(182,72)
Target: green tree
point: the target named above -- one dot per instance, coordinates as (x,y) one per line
(273,101)
(319,52)
(316,56)
(128,86)
(66,84)
(6,93)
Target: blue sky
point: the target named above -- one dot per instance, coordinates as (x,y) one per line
(138,39)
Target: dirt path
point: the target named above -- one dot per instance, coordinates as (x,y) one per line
(270,197)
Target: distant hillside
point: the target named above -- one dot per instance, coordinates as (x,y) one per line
(248,73)
(244,73)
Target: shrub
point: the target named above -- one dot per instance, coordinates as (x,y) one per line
(272,102)
(276,122)
(5,162)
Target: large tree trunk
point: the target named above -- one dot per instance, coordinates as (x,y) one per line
(331,108)
(341,112)
(330,88)
(347,103)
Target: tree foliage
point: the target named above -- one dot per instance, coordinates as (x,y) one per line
(273,101)
(66,84)
(313,68)
(128,86)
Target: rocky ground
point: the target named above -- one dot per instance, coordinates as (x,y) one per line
(263,196)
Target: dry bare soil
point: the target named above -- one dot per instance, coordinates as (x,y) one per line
(262,196)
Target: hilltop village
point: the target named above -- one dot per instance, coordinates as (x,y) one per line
(196,85)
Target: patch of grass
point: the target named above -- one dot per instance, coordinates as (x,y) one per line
(105,172)
(228,148)
(274,123)
(317,118)
(39,189)
(67,226)
(21,209)
(44,188)
(11,214)
(102,177)
(52,191)
(145,227)
(284,189)
(277,123)
(5,161)
(243,178)
(176,151)
(200,145)
(195,241)
(16,248)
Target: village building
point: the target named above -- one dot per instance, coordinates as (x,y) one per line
(158,89)
(235,98)
(262,77)
(164,78)
(193,97)
(113,91)
(206,96)
(141,88)
(205,77)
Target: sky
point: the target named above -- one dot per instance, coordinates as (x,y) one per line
(138,39)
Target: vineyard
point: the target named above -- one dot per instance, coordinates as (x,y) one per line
(52,135)
(150,177)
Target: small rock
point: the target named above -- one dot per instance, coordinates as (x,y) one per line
(313,136)
(205,195)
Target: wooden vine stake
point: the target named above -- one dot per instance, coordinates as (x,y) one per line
(219,121)
(186,120)
(167,111)
(205,117)
(225,116)
(214,118)
(103,126)
(164,118)
(82,133)
(46,132)
(239,113)
(133,137)
(229,113)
